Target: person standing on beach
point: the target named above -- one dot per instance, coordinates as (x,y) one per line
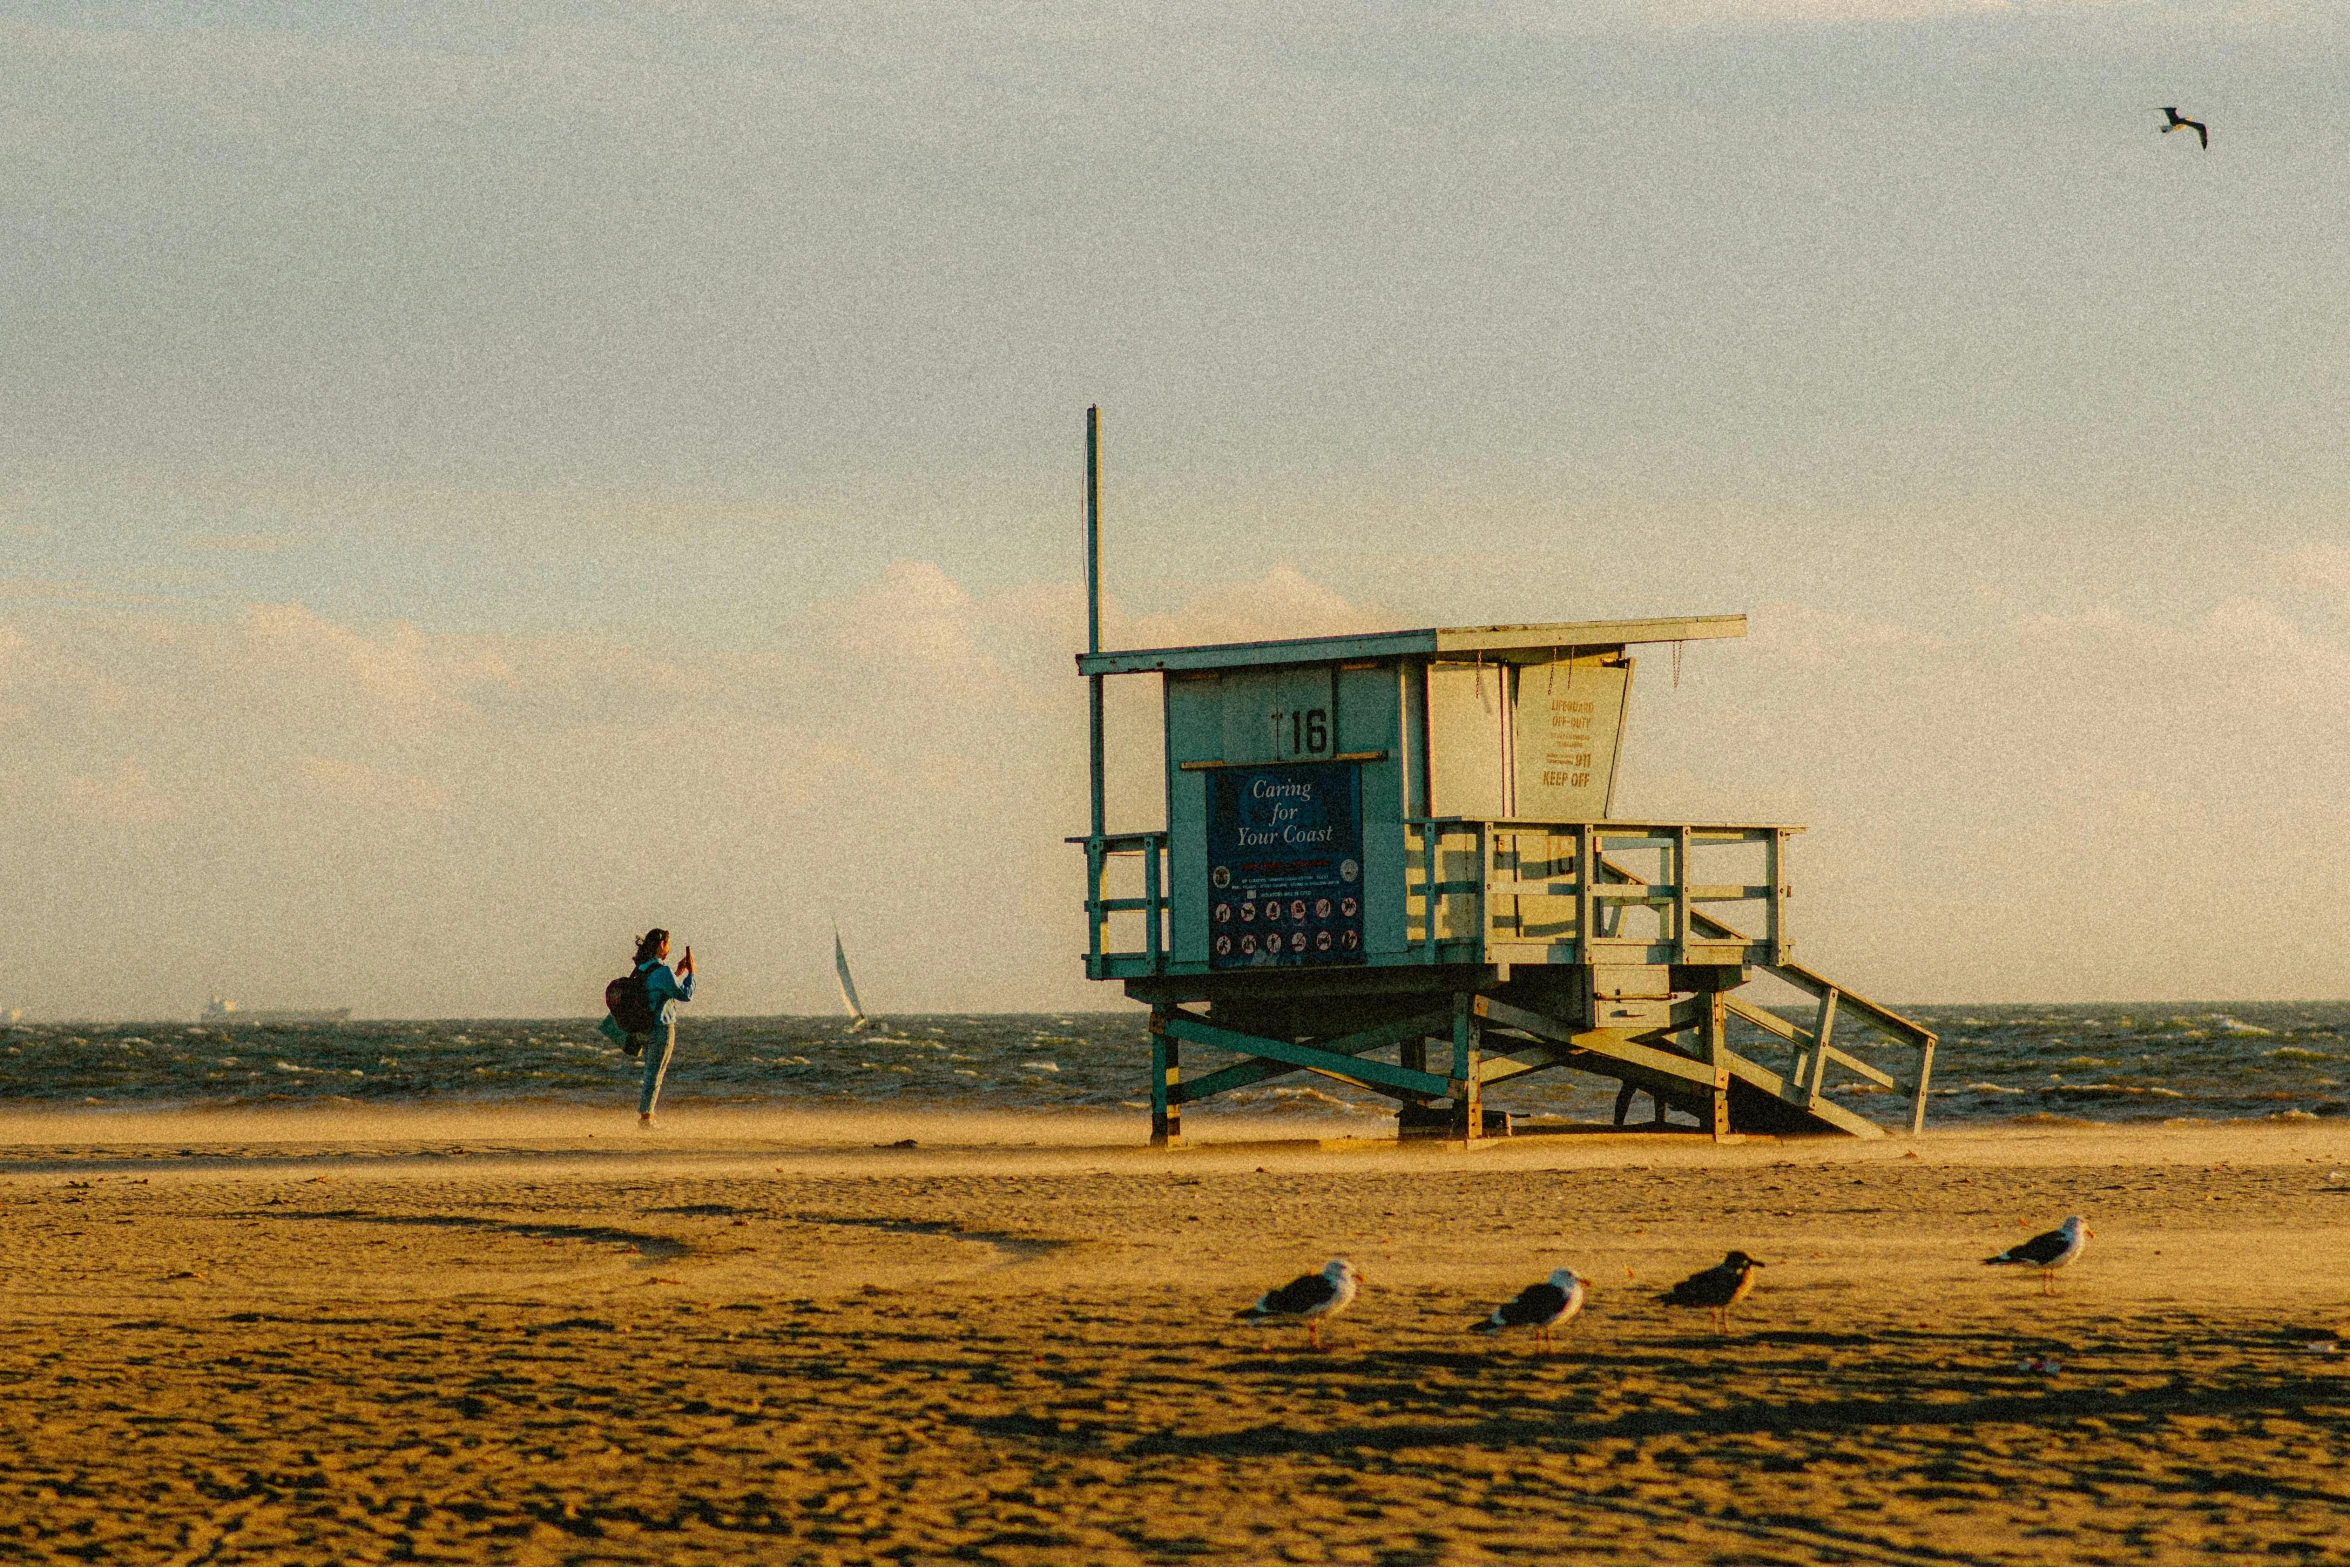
(663,991)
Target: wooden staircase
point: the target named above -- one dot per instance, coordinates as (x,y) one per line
(1689,1063)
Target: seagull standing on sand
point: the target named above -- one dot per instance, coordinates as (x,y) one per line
(2179,122)
(1538,1306)
(1308,1299)
(1718,1288)
(2047,1252)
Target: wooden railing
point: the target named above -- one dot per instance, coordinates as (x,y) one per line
(1151,958)
(1518,891)
(1813,1051)
(1507,892)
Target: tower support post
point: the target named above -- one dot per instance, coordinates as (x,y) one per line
(1166,1069)
(1714,1047)
(1468,1069)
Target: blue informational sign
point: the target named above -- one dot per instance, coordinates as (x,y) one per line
(1285,865)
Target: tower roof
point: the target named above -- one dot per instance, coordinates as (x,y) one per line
(1500,643)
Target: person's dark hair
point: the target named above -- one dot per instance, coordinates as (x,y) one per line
(651,944)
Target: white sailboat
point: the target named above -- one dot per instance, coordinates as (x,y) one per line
(848,986)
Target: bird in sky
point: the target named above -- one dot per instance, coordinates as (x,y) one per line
(1538,1306)
(1308,1299)
(2048,1251)
(2179,122)
(1718,1288)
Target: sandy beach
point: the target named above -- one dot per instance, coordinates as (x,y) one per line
(508,1336)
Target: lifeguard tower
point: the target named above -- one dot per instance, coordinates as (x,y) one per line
(1391,859)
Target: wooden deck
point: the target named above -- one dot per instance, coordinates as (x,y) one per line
(1533,946)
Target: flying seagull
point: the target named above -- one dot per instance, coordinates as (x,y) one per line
(2047,1252)
(1308,1299)
(1538,1306)
(1718,1288)
(2179,122)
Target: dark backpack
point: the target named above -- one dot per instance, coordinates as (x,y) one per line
(630,1001)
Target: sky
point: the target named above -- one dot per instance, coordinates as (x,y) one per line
(476,481)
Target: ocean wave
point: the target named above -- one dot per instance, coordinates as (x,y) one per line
(1305,1098)
(1991,1058)
(2108,1091)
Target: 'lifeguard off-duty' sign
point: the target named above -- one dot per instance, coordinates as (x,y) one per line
(1285,865)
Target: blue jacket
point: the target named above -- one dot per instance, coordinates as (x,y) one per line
(664,989)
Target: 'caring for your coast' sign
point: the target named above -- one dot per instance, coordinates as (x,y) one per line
(1285,865)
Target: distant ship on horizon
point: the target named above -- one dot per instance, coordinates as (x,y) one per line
(220,1009)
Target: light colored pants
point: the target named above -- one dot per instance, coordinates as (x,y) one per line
(658,1045)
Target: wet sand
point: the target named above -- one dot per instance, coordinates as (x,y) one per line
(495,1337)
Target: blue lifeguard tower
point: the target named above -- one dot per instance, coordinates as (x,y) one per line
(1392,859)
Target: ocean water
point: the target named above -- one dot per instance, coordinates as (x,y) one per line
(2245,1061)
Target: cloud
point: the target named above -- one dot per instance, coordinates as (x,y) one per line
(37,589)
(1282,603)
(332,799)
(371,787)
(2056,806)
(126,798)
(1687,12)
(394,674)
(242,543)
(2325,567)
(2050,806)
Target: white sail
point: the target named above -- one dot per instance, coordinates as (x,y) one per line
(848,986)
